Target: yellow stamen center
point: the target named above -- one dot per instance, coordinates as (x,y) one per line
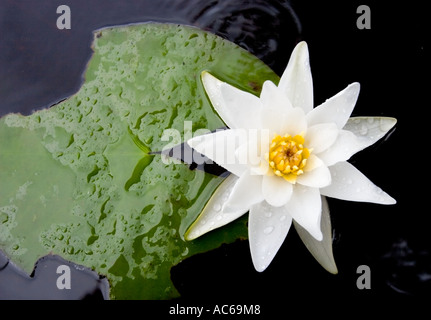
(287,156)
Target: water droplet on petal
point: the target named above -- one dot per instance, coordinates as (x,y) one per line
(268,230)
(217,207)
(385,126)
(364,130)
(197,139)
(282,218)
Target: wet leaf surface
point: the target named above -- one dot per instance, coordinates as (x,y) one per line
(82,179)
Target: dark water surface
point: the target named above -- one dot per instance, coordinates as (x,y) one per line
(41,65)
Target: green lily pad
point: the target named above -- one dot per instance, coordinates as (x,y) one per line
(80,179)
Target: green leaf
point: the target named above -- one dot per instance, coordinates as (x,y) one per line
(78,179)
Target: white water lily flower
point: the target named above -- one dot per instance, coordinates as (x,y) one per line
(284,155)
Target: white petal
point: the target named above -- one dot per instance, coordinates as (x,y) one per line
(336,109)
(342,149)
(220,147)
(276,108)
(267,229)
(296,80)
(358,134)
(246,192)
(273,98)
(321,250)
(237,108)
(321,136)
(368,130)
(252,152)
(213,216)
(276,190)
(248,153)
(348,183)
(294,123)
(316,173)
(305,207)
(262,169)
(313,162)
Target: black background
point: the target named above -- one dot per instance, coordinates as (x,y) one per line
(40,65)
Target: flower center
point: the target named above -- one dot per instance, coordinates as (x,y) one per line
(287,156)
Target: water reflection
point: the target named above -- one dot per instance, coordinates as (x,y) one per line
(44,65)
(268,29)
(408,268)
(46,280)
